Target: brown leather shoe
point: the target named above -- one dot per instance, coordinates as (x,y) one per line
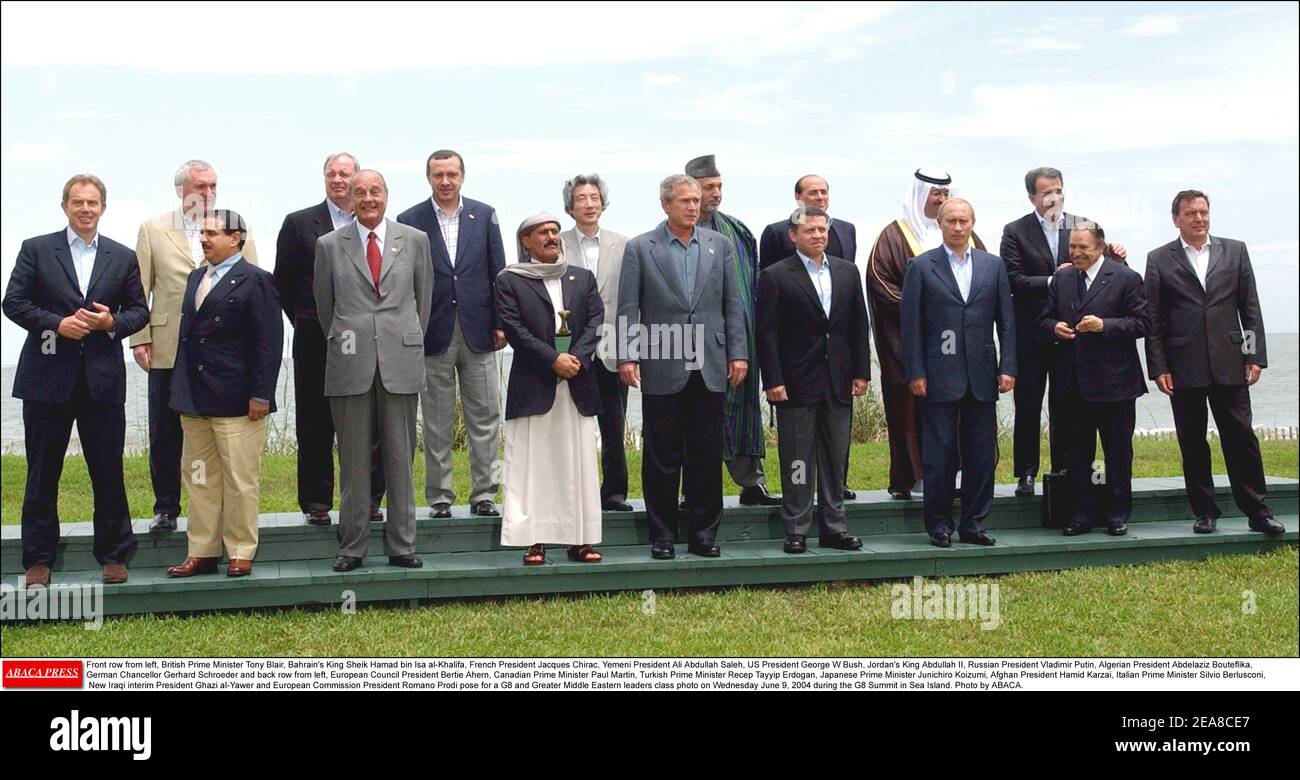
(317,517)
(239,567)
(114,573)
(38,576)
(192,565)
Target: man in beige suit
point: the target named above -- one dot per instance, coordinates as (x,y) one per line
(169,250)
(373,286)
(590,246)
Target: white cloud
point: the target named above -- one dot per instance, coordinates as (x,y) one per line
(652,81)
(84,115)
(34,153)
(1157,26)
(280,38)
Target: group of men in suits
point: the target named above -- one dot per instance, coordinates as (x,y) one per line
(367,294)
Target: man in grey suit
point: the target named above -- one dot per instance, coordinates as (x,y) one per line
(374,288)
(682,339)
(600,251)
(1205,345)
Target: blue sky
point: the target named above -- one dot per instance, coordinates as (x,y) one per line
(1133,102)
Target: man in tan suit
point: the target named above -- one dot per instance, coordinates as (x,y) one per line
(600,251)
(169,250)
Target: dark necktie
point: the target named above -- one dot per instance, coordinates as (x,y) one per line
(1082,286)
(374,257)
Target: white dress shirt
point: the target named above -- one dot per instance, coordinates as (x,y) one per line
(450,226)
(961,268)
(1090,275)
(590,248)
(1199,258)
(1052,232)
(379,231)
(194,232)
(83,258)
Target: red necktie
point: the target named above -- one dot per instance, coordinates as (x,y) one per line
(374,256)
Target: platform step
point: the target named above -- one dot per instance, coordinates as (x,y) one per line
(629,567)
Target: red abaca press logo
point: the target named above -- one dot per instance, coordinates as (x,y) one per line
(42,674)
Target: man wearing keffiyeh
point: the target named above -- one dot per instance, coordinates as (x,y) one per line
(742,441)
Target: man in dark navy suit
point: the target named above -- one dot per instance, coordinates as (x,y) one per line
(1095,313)
(810,191)
(223,387)
(77,294)
(295,266)
(954,299)
(464,332)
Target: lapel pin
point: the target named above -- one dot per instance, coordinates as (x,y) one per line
(710,251)
(571,278)
(471,216)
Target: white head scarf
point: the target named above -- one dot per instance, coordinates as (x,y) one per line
(925,229)
(526,265)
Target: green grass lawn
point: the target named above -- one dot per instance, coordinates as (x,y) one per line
(1167,609)
(868,469)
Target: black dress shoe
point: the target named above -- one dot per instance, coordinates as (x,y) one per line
(940,540)
(1117,529)
(705,549)
(346,563)
(1076,529)
(317,517)
(485,508)
(163,523)
(1267,525)
(850,494)
(440,511)
(1026,486)
(758,496)
(979,538)
(662,551)
(405,561)
(796,543)
(900,495)
(616,505)
(1204,524)
(840,542)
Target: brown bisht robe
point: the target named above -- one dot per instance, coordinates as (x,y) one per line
(886,265)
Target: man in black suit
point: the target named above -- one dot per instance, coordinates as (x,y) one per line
(954,299)
(812,191)
(812,347)
(77,294)
(841,239)
(1206,343)
(223,387)
(1096,311)
(1033,248)
(295,263)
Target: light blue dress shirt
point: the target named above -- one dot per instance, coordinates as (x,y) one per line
(686,257)
(338,217)
(961,268)
(821,280)
(83,258)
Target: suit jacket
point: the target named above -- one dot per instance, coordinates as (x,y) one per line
(365,333)
(43,289)
(1108,361)
(704,327)
(608,269)
(950,342)
(775,245)
(165,267)
(815,357)
(465,290)
(295,261)
(230,347)
(528,319)
(1203,336)
(1029,261)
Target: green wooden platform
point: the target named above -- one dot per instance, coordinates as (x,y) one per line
(463,558)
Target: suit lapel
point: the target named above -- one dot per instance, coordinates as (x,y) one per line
(663,263)
(1217,251)
(463,233)
(187,302)
(709,258)
(101,263)
(392,247)
(322,221)
(64,254)
(1180,260)
(940,265)
(804,282)
(1038,238)
(539,287)
(606,262)
(1103,279)
(356,252)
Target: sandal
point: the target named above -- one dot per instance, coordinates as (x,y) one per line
(535,556)
(584,554)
